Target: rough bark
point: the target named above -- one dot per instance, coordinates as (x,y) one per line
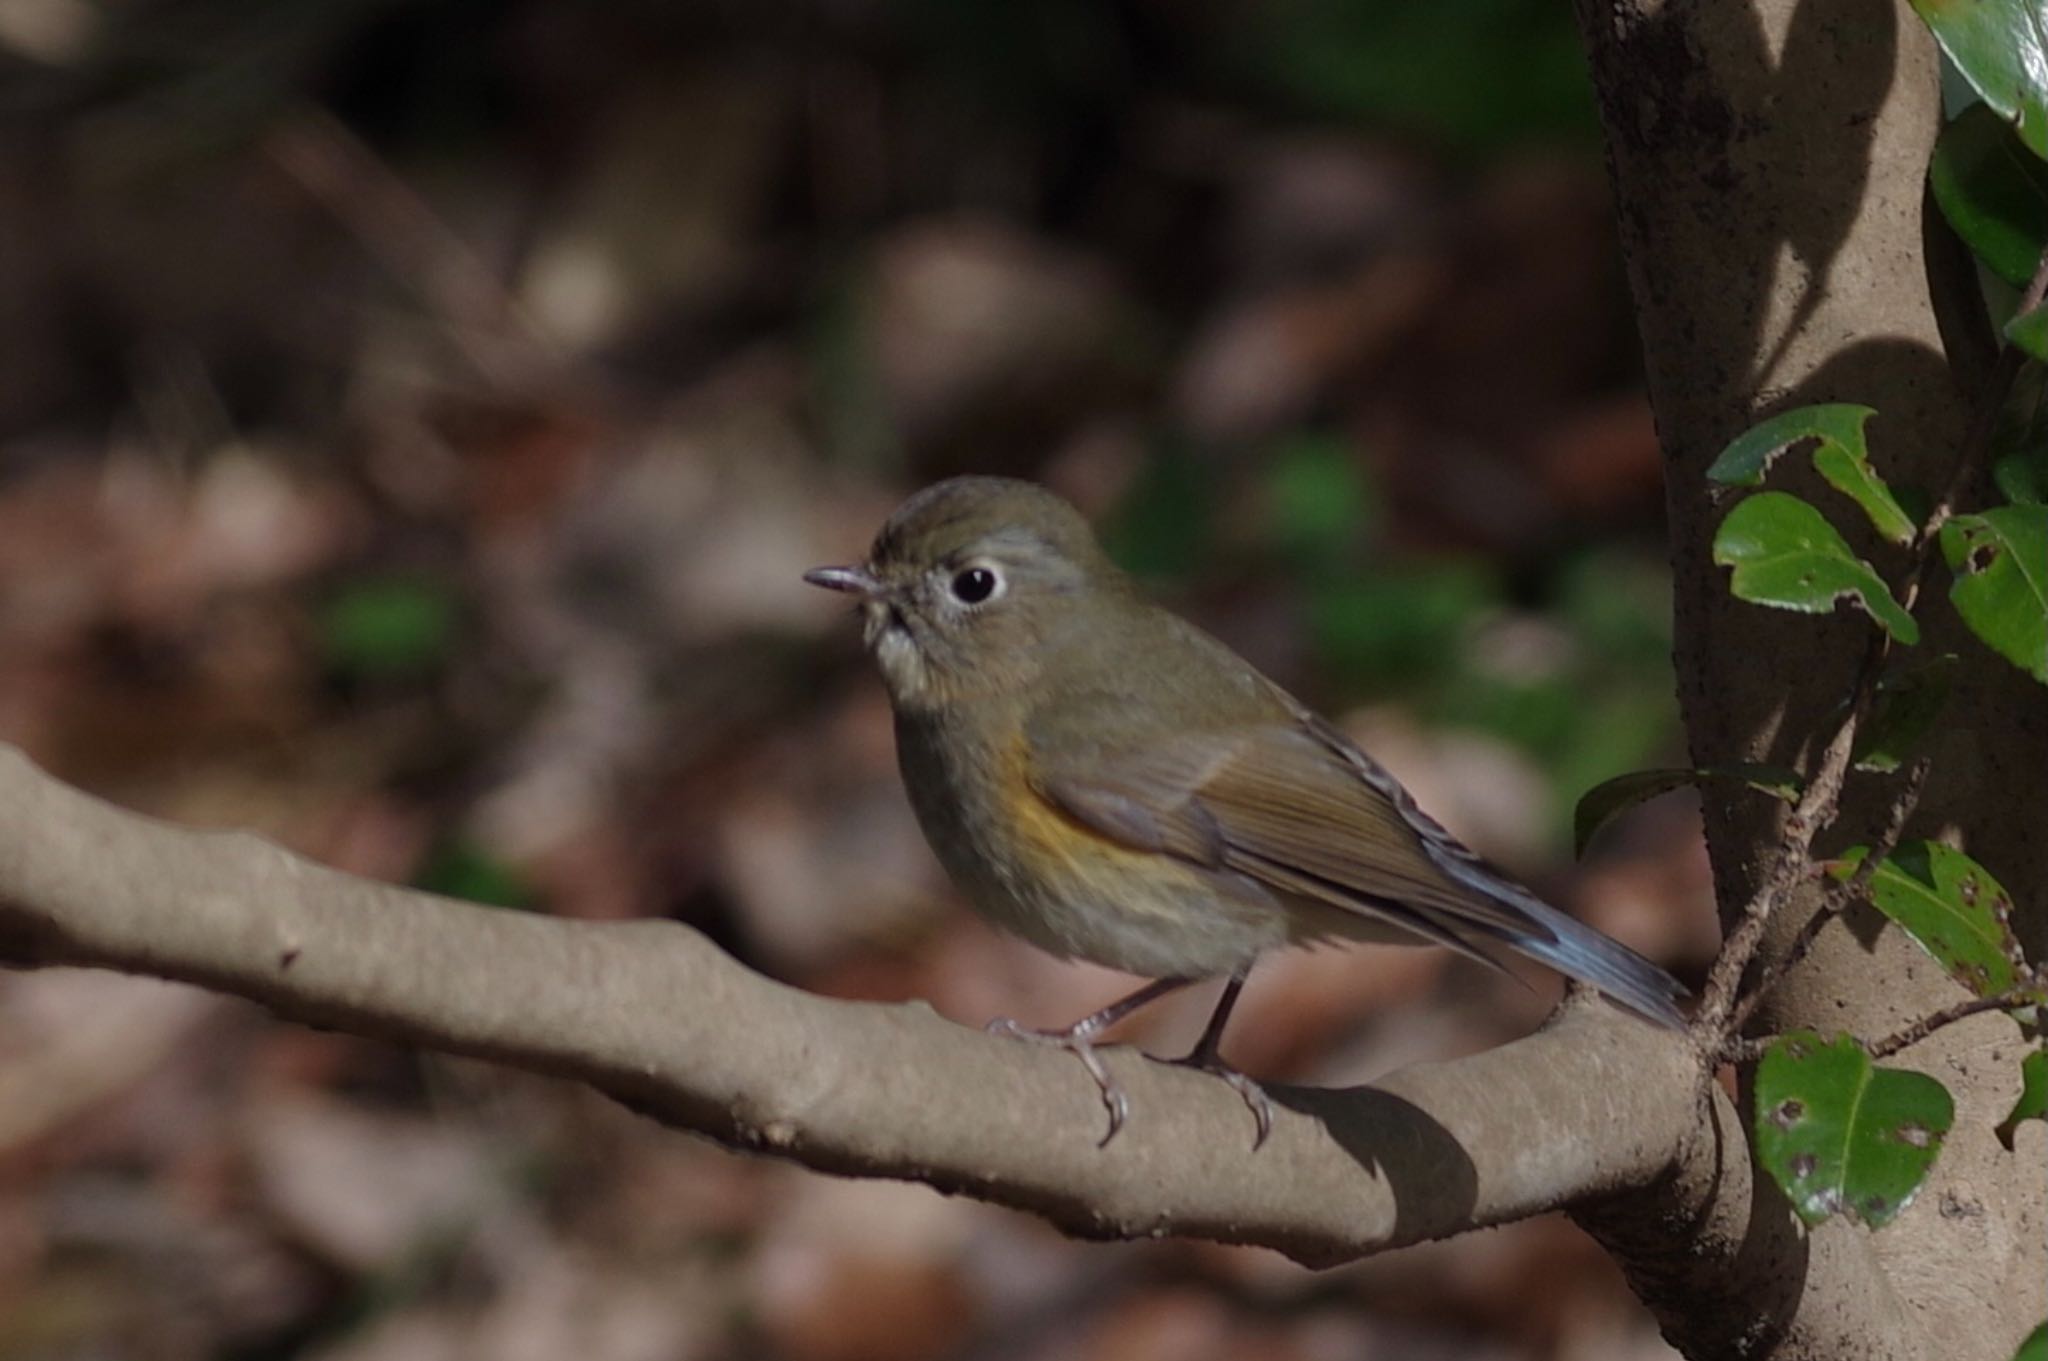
(1768,162)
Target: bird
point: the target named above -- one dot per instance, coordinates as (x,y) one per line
(1104,779)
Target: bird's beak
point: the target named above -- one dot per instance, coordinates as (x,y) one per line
(852,580)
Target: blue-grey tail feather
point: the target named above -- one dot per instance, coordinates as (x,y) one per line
(1580,951)
(1571,947)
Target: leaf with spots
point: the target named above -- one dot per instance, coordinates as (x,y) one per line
(2000,561)
(2033,1102)
(1839,1134)
(1600,804)
(2035,1348)
(1787,556)
(1951,907)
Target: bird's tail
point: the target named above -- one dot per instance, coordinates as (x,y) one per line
(1571,947)
(1578,950)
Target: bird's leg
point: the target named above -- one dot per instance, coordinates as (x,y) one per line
(1207,1055)
(1078,1039)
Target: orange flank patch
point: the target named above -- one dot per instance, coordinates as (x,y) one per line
(1076,858)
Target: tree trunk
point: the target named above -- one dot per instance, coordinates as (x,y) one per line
(1768,162)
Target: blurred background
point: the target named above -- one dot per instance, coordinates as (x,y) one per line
(413,421)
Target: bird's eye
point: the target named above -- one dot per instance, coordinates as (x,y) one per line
(975,585)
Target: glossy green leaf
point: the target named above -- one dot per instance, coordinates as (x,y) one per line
(2000,561)
(2001,48)
(2029,331)
(2033,1102)
(1600,804)
(1842,1136)
(1750,455)
(1951,907)
(1908,702)
(2035,1348)
(1993,192)
(1787,556)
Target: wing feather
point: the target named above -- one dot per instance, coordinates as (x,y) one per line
(1272,797)
(1296,806)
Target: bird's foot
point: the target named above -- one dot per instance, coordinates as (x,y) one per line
(1078,1040)
(1206,1059)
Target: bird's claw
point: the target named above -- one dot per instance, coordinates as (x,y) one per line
(1080,1043)
(1251,1093)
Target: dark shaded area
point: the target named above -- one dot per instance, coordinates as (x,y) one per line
(413,422)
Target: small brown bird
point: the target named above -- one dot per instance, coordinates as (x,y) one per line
(1112,784)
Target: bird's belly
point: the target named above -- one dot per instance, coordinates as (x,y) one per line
(1035,872)
(1131,910)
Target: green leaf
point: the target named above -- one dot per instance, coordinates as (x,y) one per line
(1842,1136)
(1908,702)
(1842,456)
(1848,471)
(1599,805)
(2033,1102)
(1993,193)
(2019,442)
(2035,1348)
(1951,907)
(2001,48)
(1745,461)
(2000,561)
(2023,478)
(2029,331)
(388,628)
(1786,556)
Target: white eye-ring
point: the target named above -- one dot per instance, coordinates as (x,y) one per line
(977,584)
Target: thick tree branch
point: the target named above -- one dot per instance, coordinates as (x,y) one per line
(1594,1107)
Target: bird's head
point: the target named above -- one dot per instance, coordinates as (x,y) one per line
(970,583)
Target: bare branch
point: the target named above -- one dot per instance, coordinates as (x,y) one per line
(1598,1112)
(653,1014)
(1814,811)
(1905,798)
(2028,994)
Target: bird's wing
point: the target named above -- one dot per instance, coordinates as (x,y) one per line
(1298,807)
(1269,803)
